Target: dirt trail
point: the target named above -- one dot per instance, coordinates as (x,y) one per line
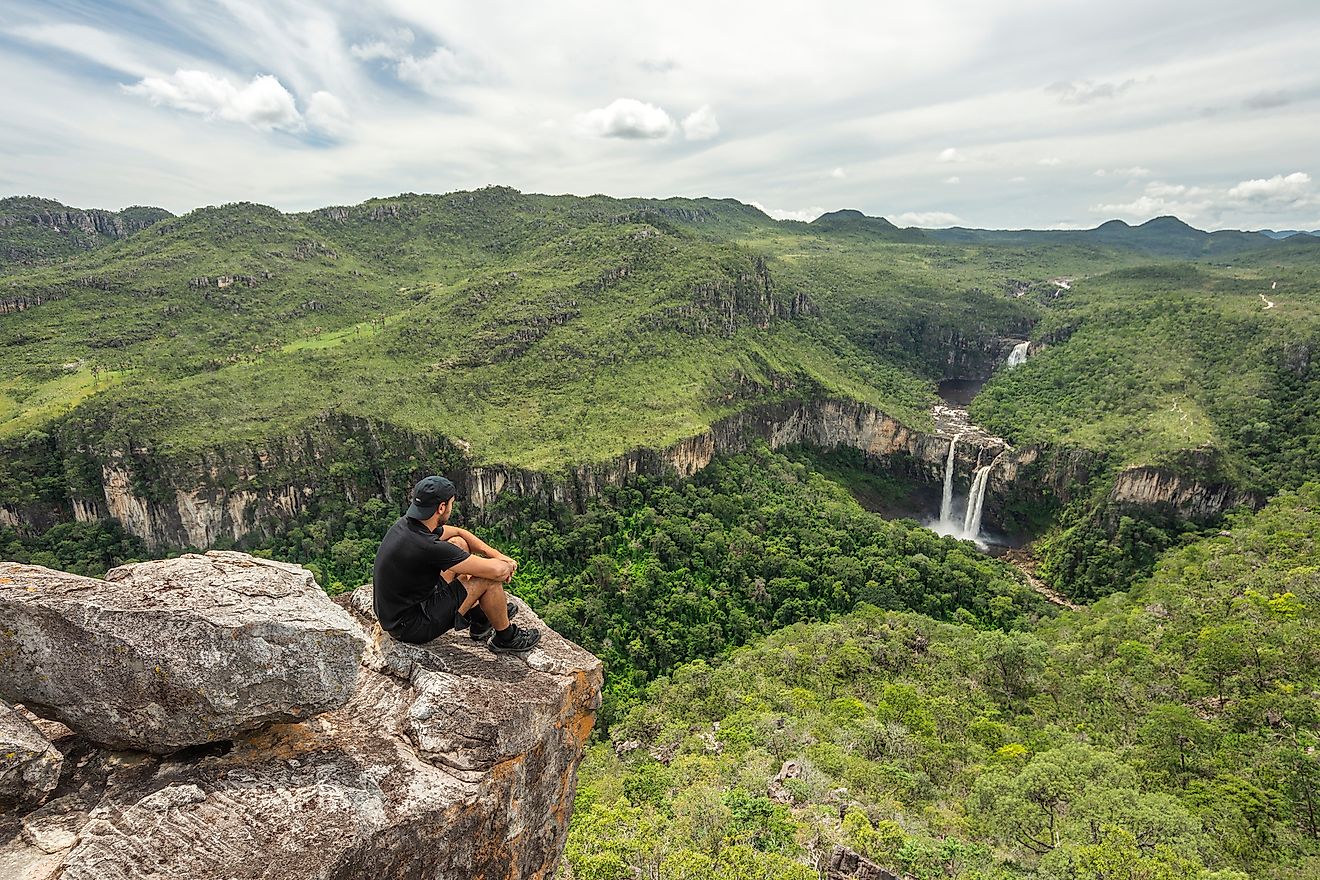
(1269,303)
(1026,563)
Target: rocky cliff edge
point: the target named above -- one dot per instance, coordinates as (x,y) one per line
(445,760)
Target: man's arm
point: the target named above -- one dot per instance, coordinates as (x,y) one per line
(496,569)
(475,544)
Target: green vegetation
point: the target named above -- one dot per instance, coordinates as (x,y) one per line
(1177,366)
(1169,732)
(89,549)
(660,573)
(952,725)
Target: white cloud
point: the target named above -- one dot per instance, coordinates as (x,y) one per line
(1085,91)
(1278,194)
(1018,179)
(953,180)
(838,173)
(951,154)
(94,45)
(928,219)
(1050,160)
(627,118)
(434,73)
(326,113)
(700,124)
(263,103)
(1142,207)
(806,215)
(389,48)
(1292,190)
(1133,171)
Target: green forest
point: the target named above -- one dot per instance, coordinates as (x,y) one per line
(1165,732)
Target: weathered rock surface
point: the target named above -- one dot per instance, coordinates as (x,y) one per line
(179,652)
(845,864)
(1188,497)
(29,764)
(447,762)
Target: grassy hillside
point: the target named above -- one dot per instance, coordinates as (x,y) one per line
(546,331)
(1168,732)
(1186,366)
(541,330)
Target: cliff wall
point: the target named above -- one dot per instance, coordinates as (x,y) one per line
(256,490)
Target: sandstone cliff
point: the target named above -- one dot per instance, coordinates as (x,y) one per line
(257,490)
(446,761)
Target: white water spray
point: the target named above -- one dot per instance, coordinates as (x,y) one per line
(975,498)
(1018,355)
(946,503)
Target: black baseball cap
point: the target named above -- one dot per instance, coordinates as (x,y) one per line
(428,494)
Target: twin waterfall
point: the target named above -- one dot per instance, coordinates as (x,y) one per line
(970,527)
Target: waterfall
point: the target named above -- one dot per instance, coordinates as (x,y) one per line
(1018,355)
(946,503)
(975,498)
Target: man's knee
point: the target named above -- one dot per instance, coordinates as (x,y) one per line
(478,586)
(459,542)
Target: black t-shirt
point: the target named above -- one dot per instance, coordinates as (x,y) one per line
(408,566)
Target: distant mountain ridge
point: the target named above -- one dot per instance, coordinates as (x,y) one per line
(1287,233)
(852,221)
(35,231)
(1159,237)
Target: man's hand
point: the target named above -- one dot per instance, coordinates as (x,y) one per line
(511,563)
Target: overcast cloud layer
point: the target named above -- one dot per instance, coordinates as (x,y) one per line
(1017,113)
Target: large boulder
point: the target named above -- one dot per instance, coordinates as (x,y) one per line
(29,764)
(174,653)
(449,762)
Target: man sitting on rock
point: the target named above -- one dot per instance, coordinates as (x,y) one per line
(427,579)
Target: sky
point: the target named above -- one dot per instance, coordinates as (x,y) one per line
(1003,114)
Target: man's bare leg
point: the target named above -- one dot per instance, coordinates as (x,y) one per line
(490,595)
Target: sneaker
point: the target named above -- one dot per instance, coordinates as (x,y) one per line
(514,640)
(481,627)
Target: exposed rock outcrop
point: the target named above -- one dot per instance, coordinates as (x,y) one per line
(29,764)
(448,761)
(179,652)
(1189,498)
(257,490)
(845,864)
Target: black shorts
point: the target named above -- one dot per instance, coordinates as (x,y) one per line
(433,616)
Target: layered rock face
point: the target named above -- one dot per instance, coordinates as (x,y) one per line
(241,492)
(1190,498)
(447,761)
(824,424)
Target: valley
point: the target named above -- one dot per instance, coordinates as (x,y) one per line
(904,508)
